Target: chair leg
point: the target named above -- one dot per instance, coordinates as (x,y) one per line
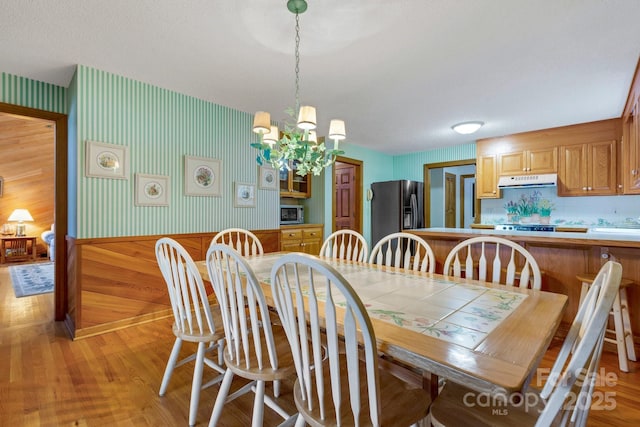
(258,405)
(619,331)
(300,421)
(221,398)
(626,324)
(196,384)
(171,364)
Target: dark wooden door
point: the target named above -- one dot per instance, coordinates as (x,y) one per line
(345,175)
(449,200)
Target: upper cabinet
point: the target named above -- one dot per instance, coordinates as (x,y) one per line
(294,185)
(538,160)
(631,140)
(584,156)
(487,177)
(588,169)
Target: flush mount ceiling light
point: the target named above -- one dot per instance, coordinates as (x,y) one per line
(297,144)
(466,128)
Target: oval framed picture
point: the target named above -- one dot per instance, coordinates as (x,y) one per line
(267,178)
(151,190)
(202,176)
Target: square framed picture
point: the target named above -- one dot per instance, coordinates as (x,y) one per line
(151,190)
(267,178)
(106,160)
(244,195)
(202,176)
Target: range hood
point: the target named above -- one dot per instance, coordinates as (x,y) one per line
(528,181)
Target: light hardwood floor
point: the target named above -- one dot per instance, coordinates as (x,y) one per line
(113,379)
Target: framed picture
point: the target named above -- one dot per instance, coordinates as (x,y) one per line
(267,178)
(202,176)
(151,190)
(244,195)
(106,160)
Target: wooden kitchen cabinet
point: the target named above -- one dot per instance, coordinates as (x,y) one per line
(542,160)
(631,149)
(487,177)
(588,169)
(307,239)
(294,185)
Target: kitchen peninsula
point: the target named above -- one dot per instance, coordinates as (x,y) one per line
(561,255)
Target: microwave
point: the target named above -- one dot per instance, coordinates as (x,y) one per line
(291,214)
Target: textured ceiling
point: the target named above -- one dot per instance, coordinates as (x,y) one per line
(400,73)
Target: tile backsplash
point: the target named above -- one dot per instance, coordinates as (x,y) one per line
(586,211)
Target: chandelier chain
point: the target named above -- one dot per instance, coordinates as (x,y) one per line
(297,53)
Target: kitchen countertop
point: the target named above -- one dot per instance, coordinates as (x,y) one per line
(563,238)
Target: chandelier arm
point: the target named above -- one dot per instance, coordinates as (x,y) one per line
(297,69)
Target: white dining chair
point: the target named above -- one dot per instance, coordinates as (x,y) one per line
(348,245)
(194,319)
(404,250)
(566,396)
(255,349)
(318,309)
(243,241)
(484,254)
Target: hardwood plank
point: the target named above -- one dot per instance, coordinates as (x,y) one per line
(113,378)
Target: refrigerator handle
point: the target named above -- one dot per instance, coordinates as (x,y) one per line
(414,211)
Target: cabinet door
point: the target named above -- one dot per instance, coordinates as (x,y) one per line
(291,240)
(513,163)
(631,171)
(573,170)
(294,185)
(543,160)
(312,240)
(487,177)
(602,168)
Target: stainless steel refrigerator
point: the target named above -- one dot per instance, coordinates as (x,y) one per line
(396,205)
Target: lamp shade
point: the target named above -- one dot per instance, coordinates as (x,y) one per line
(261,122)
(272,136)
(313,137)
(307,117)
(336,130)
(466,128)
(20,215)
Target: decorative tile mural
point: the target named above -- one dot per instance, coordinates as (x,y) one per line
(564,211)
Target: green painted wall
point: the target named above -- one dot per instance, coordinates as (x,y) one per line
(410,166)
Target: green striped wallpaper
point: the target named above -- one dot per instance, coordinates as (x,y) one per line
(32,93)
(160,127)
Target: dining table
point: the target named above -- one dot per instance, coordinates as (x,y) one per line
(489,337)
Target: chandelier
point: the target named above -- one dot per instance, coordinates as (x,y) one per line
(297,145)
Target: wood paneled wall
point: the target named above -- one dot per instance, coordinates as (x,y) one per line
(115,282)
(27,166)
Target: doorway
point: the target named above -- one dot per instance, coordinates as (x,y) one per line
(59,122)
(467,194)
(347,195)
(434,191)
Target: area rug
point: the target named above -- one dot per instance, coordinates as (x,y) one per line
(32,279)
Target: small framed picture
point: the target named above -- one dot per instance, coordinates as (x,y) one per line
(151,190)
(202,176)
(244,195)
(267,178)
(106,160)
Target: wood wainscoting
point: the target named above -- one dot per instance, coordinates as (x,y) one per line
(115,282)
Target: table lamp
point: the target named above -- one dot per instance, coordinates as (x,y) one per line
(20,215)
